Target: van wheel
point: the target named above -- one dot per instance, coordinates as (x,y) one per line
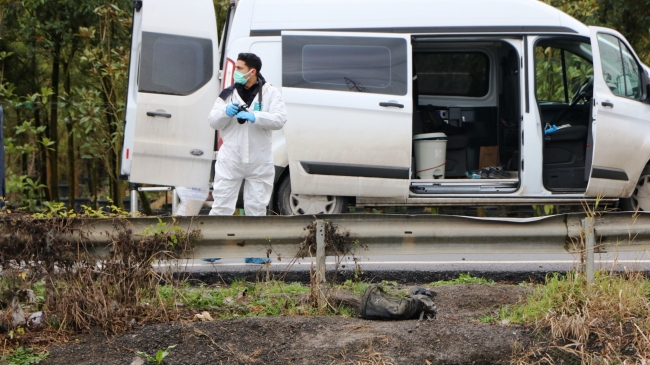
(300,204)
(640,199)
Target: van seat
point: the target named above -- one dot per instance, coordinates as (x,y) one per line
(572,133)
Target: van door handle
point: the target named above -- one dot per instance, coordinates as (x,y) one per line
(163,114)
(391,104)
(608,103)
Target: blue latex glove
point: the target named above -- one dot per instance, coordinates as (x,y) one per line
(246,115)
(232,109)
(550,129)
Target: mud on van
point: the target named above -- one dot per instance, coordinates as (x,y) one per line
(416,102)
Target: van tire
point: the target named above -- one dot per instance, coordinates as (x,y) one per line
(297,204)
(638,202)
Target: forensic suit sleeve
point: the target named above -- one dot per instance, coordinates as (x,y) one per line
(218,118)
(275,118)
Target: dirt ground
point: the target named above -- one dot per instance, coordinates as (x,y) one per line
(457,336)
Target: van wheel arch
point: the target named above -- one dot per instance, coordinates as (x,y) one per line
(640,198)
(289,204)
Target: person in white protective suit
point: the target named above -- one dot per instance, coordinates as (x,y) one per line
(246,113)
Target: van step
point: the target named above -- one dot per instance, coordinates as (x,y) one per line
(451,186)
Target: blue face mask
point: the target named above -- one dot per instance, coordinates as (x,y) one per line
(240,77)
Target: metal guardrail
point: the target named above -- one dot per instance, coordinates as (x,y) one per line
(239,236)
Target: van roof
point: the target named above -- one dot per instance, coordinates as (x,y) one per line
(411,16)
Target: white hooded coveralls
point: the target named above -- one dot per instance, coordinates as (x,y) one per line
(246,151)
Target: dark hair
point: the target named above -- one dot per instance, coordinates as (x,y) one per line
(251,60)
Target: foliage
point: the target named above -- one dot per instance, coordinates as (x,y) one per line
(23,356)
(173,233)
(27,192)
(160,355)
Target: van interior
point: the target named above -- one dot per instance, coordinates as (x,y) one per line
(458,91)
(564,88)
(470,91)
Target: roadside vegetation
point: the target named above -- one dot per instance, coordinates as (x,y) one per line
(577,322)
(463,278)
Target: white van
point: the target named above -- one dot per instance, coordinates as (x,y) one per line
(363,78)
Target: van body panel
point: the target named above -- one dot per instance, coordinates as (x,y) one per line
(365,139)
(172,92)
(407,15)
(620,127)
(479,201)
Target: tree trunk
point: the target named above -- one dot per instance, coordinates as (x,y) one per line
(53,129)
(145,203)
(41,164)
(72,182)
(92,181)
(113,158)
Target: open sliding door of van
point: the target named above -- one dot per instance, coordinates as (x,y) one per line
(172,88)
(349,104)
(620,118)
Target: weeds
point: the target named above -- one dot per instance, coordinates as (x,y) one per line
(80,291)
(159,356)
(606,322)
(242,299)
(463,279)
(357,288)
(23,356)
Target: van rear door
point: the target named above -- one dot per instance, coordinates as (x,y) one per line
(172,87)
(349,104)
(620,117)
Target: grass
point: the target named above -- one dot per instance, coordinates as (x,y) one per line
(242,299)
(605,322)
(23,356)
(462,279)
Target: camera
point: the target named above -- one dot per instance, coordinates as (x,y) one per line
(242,108)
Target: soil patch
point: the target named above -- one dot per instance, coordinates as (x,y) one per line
(457,336)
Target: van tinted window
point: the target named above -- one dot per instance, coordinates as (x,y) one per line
(358,64)
(171,64)
(453,73)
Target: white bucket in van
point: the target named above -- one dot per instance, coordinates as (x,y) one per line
(430,155)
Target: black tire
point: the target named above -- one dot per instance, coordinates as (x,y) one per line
(632,203)
(285,202)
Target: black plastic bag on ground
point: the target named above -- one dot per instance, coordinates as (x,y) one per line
(377,304)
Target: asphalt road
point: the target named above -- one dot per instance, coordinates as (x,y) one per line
(421,268)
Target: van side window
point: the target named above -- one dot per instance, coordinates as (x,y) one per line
(559,73)
(453,73)
(620,69)
(176,65)
(357,64)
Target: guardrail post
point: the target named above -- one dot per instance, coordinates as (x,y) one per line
(134,200)
(174,201)
(320,261)
(590,240)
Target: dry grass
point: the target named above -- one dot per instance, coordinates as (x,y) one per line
(80,292)
(367,355)
(604,322)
